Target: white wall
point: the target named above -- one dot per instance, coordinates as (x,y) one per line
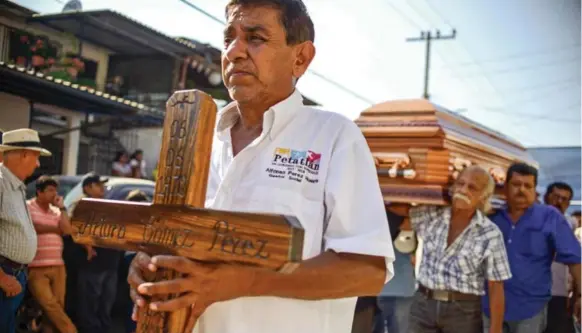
(14,112)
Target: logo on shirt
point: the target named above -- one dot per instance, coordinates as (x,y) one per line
(297,165)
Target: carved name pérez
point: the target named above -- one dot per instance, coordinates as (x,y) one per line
(226,240)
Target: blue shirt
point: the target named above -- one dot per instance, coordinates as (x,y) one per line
(539,235)
(403,283)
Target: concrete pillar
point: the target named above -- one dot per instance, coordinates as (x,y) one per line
(71,145)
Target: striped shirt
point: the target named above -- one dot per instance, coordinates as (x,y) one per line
(478,254)
(17,234)
(50,245)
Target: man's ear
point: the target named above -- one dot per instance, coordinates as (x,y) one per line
(304,54)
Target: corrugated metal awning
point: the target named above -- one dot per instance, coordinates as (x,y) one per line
(116,32)
(41,88)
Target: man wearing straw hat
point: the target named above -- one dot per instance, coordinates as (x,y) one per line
(20,150)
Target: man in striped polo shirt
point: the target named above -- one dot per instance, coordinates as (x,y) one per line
(47,276)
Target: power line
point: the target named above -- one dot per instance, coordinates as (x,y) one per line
(555,50)
(428,37)
(319,75)
(521,68)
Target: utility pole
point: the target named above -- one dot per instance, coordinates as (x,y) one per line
(428,37)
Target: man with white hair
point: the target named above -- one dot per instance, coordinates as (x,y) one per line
(20,150)
(462,250)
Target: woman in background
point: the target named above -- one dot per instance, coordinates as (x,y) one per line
(120,166)
(138,164)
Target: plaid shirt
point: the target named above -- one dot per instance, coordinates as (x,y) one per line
(478,253)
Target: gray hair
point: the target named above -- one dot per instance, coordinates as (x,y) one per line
(485,204)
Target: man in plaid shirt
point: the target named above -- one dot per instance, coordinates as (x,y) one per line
(462,250)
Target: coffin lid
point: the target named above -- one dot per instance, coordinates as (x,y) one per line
(421,118)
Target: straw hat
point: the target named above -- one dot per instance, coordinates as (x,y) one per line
(24,138)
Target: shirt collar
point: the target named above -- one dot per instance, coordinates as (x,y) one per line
(274,119)
(477,219)
(16,183)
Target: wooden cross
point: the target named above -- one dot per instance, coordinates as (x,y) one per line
(176,222)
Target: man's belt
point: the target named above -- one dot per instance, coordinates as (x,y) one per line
(447,296)
(12,264)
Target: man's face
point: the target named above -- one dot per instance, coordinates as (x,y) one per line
(468,189)
(520,191)
(29,162)
(95,190)
(48,195)
(559,198)
(257,63)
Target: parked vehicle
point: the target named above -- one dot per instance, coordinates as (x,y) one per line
(116,188)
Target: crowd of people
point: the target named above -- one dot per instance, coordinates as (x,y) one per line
(514,269)
(477,270)
(66,295)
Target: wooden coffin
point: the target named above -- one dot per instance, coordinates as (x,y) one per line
(420,148)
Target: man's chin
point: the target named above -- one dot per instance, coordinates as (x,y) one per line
(241,93)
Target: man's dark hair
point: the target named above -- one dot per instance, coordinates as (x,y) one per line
(293,14)
(522,169)
(560,186)
(577,213)
(45,181)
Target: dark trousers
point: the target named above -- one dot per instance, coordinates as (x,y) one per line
(9,305)
(366,310)
(430,316)
(559,319)
(96,292)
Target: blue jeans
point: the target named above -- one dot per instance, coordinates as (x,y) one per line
(535,324)
(9,305)
(394,314)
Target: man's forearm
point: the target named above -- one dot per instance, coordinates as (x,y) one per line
(65,224)
(496,306)
(327,276)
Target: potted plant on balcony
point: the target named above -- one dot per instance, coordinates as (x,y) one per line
(39,48)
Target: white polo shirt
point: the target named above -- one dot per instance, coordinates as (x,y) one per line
(316,166)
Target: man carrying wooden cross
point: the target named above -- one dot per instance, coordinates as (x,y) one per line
(272,154)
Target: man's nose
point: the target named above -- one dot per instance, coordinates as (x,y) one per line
(237,49)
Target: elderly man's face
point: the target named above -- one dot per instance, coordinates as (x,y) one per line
(256,60)
(468,190)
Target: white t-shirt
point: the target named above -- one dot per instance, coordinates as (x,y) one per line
(139,164)
(124,170)
(313,165)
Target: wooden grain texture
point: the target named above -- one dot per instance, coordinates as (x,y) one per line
(434,139)
(176,222)
(182,179)
(263,240)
